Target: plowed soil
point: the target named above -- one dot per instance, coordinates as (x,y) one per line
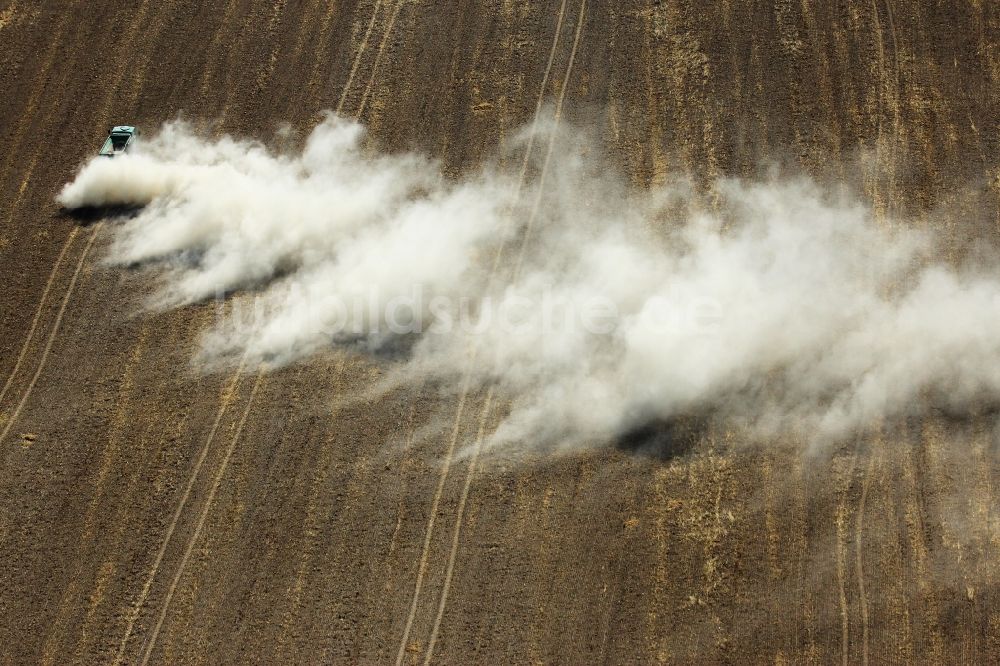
(152,512)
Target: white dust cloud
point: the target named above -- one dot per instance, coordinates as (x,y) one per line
(593,308)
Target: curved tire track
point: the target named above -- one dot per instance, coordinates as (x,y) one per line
(449,567)
(38,312)
(234,382)
(357,57)
(225,400)
(457,531)
(109,98)
(378,58)
(429,530)
(859,552)
(460,514)
(52,337)
(220,473)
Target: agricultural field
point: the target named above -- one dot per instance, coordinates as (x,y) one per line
(155,511)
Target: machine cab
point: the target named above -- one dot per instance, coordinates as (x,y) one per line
(120,140)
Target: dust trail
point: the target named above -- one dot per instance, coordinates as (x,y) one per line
(782,308)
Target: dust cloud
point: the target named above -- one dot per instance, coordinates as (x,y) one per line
(777,306)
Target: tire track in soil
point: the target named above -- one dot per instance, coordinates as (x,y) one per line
(51,339)
(220,473)
(378,58)
(457,531)
(517,270)
(391,22)
(840,520)
(150,643)
(449,568)
(884,202)
(214,50)
(226,399)
(362,47)
(859,553)
(529,148)
(521,509)
(38,312)
(432,517)
(463,395)
(312,516)
(242,523)
(423,563)
(109,97)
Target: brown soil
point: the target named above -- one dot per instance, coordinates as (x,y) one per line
(149,511)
